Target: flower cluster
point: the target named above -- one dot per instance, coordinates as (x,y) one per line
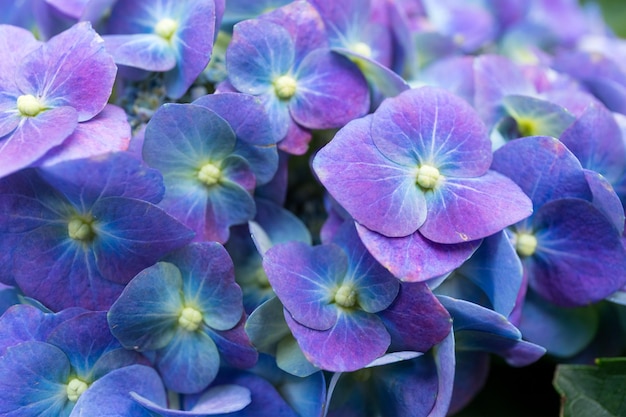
(310,208)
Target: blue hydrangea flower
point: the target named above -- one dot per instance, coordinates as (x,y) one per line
(69,365)
(76,233)
(186,312)
(172,37)
(208,182)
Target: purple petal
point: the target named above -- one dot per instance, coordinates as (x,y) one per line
(34,137)
(330,91)
(132,236)
(78,72)
(258,51)
(605,199)
(15,44)
(304,25)
(304,277)
(580,258)
(550,171)
(108,132)
(466,209)
(414,258)
(378,193)
(416,321)
(432,126)
(146,51)
(355,340)
(234,346)
(111,394)
(85,181)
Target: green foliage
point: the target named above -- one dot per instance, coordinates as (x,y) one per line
(589,390)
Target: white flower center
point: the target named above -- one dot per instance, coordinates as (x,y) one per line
(75,388)
(210,174)
(190,319)
(361,48)
(166,28)
(427,177)
(285,87)
(29,106)
(525,244)
(346,296)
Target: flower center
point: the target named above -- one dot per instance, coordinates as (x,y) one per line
(75,388)
(362,48)
(427,177)
(346,296)
(81,228)
(166,28)
(190,319)
(29,106)
(209,174)
(525,244)
(527,127)
(285,87)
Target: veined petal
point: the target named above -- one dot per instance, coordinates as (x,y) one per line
(146,51)
(378,193)
(356,339)
(465,209)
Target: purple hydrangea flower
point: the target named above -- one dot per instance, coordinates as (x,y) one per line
(48,90)
(76,233)
(344,309)
(185,312)
(283,58)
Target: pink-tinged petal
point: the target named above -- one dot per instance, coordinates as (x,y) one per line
(297,139)
(34,137)
(15,44)
(414,258)
(377,192)
(147,51)
(416,320)
(356,339)
(330,91)
(304,24)
(72,69)
(465,209)
(432,126)
(304,278)
(108,132)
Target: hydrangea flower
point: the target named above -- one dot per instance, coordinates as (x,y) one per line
(76,233)
(207,183)
(344,309)
(69,365)
(185,312)
(172,37)
(300,81)
(48,90)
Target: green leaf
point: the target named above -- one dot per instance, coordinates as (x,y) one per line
(589,390)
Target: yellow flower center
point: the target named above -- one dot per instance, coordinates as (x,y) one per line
(190,319)
(209,174)
(81,228)
(346,296)
(427,177)
(362,48)
(75,388)
(285,87)
(166,28)
(29,106)
(525,244)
